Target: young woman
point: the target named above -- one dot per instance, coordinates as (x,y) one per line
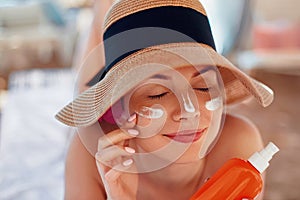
(153,125)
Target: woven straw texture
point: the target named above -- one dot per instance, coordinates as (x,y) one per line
(88,107)
(127,7)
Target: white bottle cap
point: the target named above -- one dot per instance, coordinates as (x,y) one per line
(260,160)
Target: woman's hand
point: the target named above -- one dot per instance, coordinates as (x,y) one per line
(115,163)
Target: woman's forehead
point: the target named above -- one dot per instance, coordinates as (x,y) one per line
(179,77)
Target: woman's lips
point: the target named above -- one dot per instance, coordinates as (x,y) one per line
(186,136)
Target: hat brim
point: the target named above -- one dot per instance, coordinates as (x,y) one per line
(89,106)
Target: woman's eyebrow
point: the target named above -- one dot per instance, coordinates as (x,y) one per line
(202,71)
(160,76)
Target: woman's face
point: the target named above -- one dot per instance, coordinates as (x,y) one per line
(174,112)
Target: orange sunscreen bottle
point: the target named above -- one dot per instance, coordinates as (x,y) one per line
(237,179)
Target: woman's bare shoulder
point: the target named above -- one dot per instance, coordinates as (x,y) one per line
(82,180)
(239,138)
(241,135)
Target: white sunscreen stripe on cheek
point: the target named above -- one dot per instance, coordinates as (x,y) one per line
(213,104)
(150,113)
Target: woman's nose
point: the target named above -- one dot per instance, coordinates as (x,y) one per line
(186,110)
(182,114)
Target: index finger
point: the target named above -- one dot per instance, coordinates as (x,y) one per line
(116,137)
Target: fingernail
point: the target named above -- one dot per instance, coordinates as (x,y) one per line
(131,118)
(133,132)
(127,162)
(206,180)
(129,150)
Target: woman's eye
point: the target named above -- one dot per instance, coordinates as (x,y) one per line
(202,89)
(158,96)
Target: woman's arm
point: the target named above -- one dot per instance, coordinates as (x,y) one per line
(82,180)
(89,52)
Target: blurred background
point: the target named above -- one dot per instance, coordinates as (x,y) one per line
(42,42)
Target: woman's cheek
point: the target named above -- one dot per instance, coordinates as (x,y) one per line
(150,121)
(142,121)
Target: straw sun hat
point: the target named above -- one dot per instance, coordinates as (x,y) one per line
(144,37)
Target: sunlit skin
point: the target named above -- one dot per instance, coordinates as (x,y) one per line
(177,120)
(238,138)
